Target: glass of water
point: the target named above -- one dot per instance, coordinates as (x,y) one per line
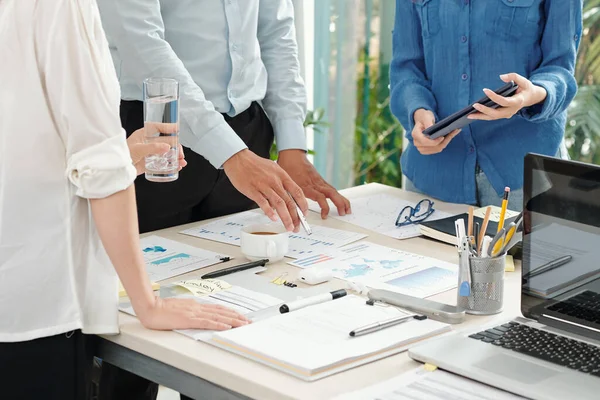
(161,125)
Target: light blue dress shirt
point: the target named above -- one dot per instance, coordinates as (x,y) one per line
(225,55)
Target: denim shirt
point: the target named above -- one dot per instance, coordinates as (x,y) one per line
(445,52)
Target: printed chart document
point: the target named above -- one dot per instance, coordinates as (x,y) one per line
(314,342)
(241,300)
(166,258)
(379,213)
(228,230)
(386,268)
(435,385)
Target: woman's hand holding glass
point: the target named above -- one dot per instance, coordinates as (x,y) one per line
(139,149)
(423,120)
(527,95)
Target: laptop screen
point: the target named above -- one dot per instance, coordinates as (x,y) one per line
(561,244)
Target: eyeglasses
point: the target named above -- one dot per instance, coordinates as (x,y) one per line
(412,215)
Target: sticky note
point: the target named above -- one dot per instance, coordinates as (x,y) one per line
(202,287)
(429,367)
(509,265)
(123,293)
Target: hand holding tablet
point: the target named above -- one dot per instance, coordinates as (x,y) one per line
(460,119)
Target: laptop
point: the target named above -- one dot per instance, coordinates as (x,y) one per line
(551,351)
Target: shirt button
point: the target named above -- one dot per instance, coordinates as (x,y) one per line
(576,37)
(471,149)
(464,77)
(234,47)
(463,39)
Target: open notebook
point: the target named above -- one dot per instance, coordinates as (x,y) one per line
(314,342)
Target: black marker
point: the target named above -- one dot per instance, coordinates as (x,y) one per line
(236,268)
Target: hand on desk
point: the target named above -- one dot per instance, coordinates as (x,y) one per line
(296,164)
(527,95)
(423,120)
(267,184)
(168,314)
(138,149)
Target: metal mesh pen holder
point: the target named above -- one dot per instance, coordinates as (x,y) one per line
(487,286)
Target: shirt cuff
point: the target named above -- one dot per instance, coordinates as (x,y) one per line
(102,169)
(219,145)
(290,134)
(541,112)
(417,97)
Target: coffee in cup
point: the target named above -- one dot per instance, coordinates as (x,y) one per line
(260,241)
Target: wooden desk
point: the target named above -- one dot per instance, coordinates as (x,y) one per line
(205,372)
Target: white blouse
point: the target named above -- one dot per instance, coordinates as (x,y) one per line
(61,143)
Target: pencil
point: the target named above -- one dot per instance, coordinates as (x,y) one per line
(503,209)
(470,224)
(484,226)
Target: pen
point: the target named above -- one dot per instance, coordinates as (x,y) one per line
(309,301)
(236,268)
(377,326)
(503,209)
(548,266)
(485,247)
(484,227)
(476,237)
(303,220)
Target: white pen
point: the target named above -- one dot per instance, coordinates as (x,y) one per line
(485,246)
(303,220)
(309,301)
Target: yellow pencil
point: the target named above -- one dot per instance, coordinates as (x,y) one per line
(503,209)
(500,244)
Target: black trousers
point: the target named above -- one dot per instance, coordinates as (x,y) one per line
(201,192)
(54,368)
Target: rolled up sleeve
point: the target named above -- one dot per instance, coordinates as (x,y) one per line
(82,92)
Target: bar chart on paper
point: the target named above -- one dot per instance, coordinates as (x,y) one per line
(387,268)
(228,230)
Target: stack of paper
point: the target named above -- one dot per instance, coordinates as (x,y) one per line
(228,230)
(314,342)
(433,385)
(236,298)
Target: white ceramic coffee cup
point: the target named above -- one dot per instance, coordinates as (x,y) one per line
(257,247)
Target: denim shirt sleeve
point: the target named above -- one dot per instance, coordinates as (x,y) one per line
(138,31)
(409,87)
(285,100)
(560,41)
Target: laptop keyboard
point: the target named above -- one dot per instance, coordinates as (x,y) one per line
(586,306)
(544,345)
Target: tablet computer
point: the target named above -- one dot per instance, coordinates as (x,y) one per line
(459,119)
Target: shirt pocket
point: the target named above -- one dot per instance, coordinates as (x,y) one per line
(513,19)
(429,13)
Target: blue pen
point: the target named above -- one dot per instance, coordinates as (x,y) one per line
(464,270)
